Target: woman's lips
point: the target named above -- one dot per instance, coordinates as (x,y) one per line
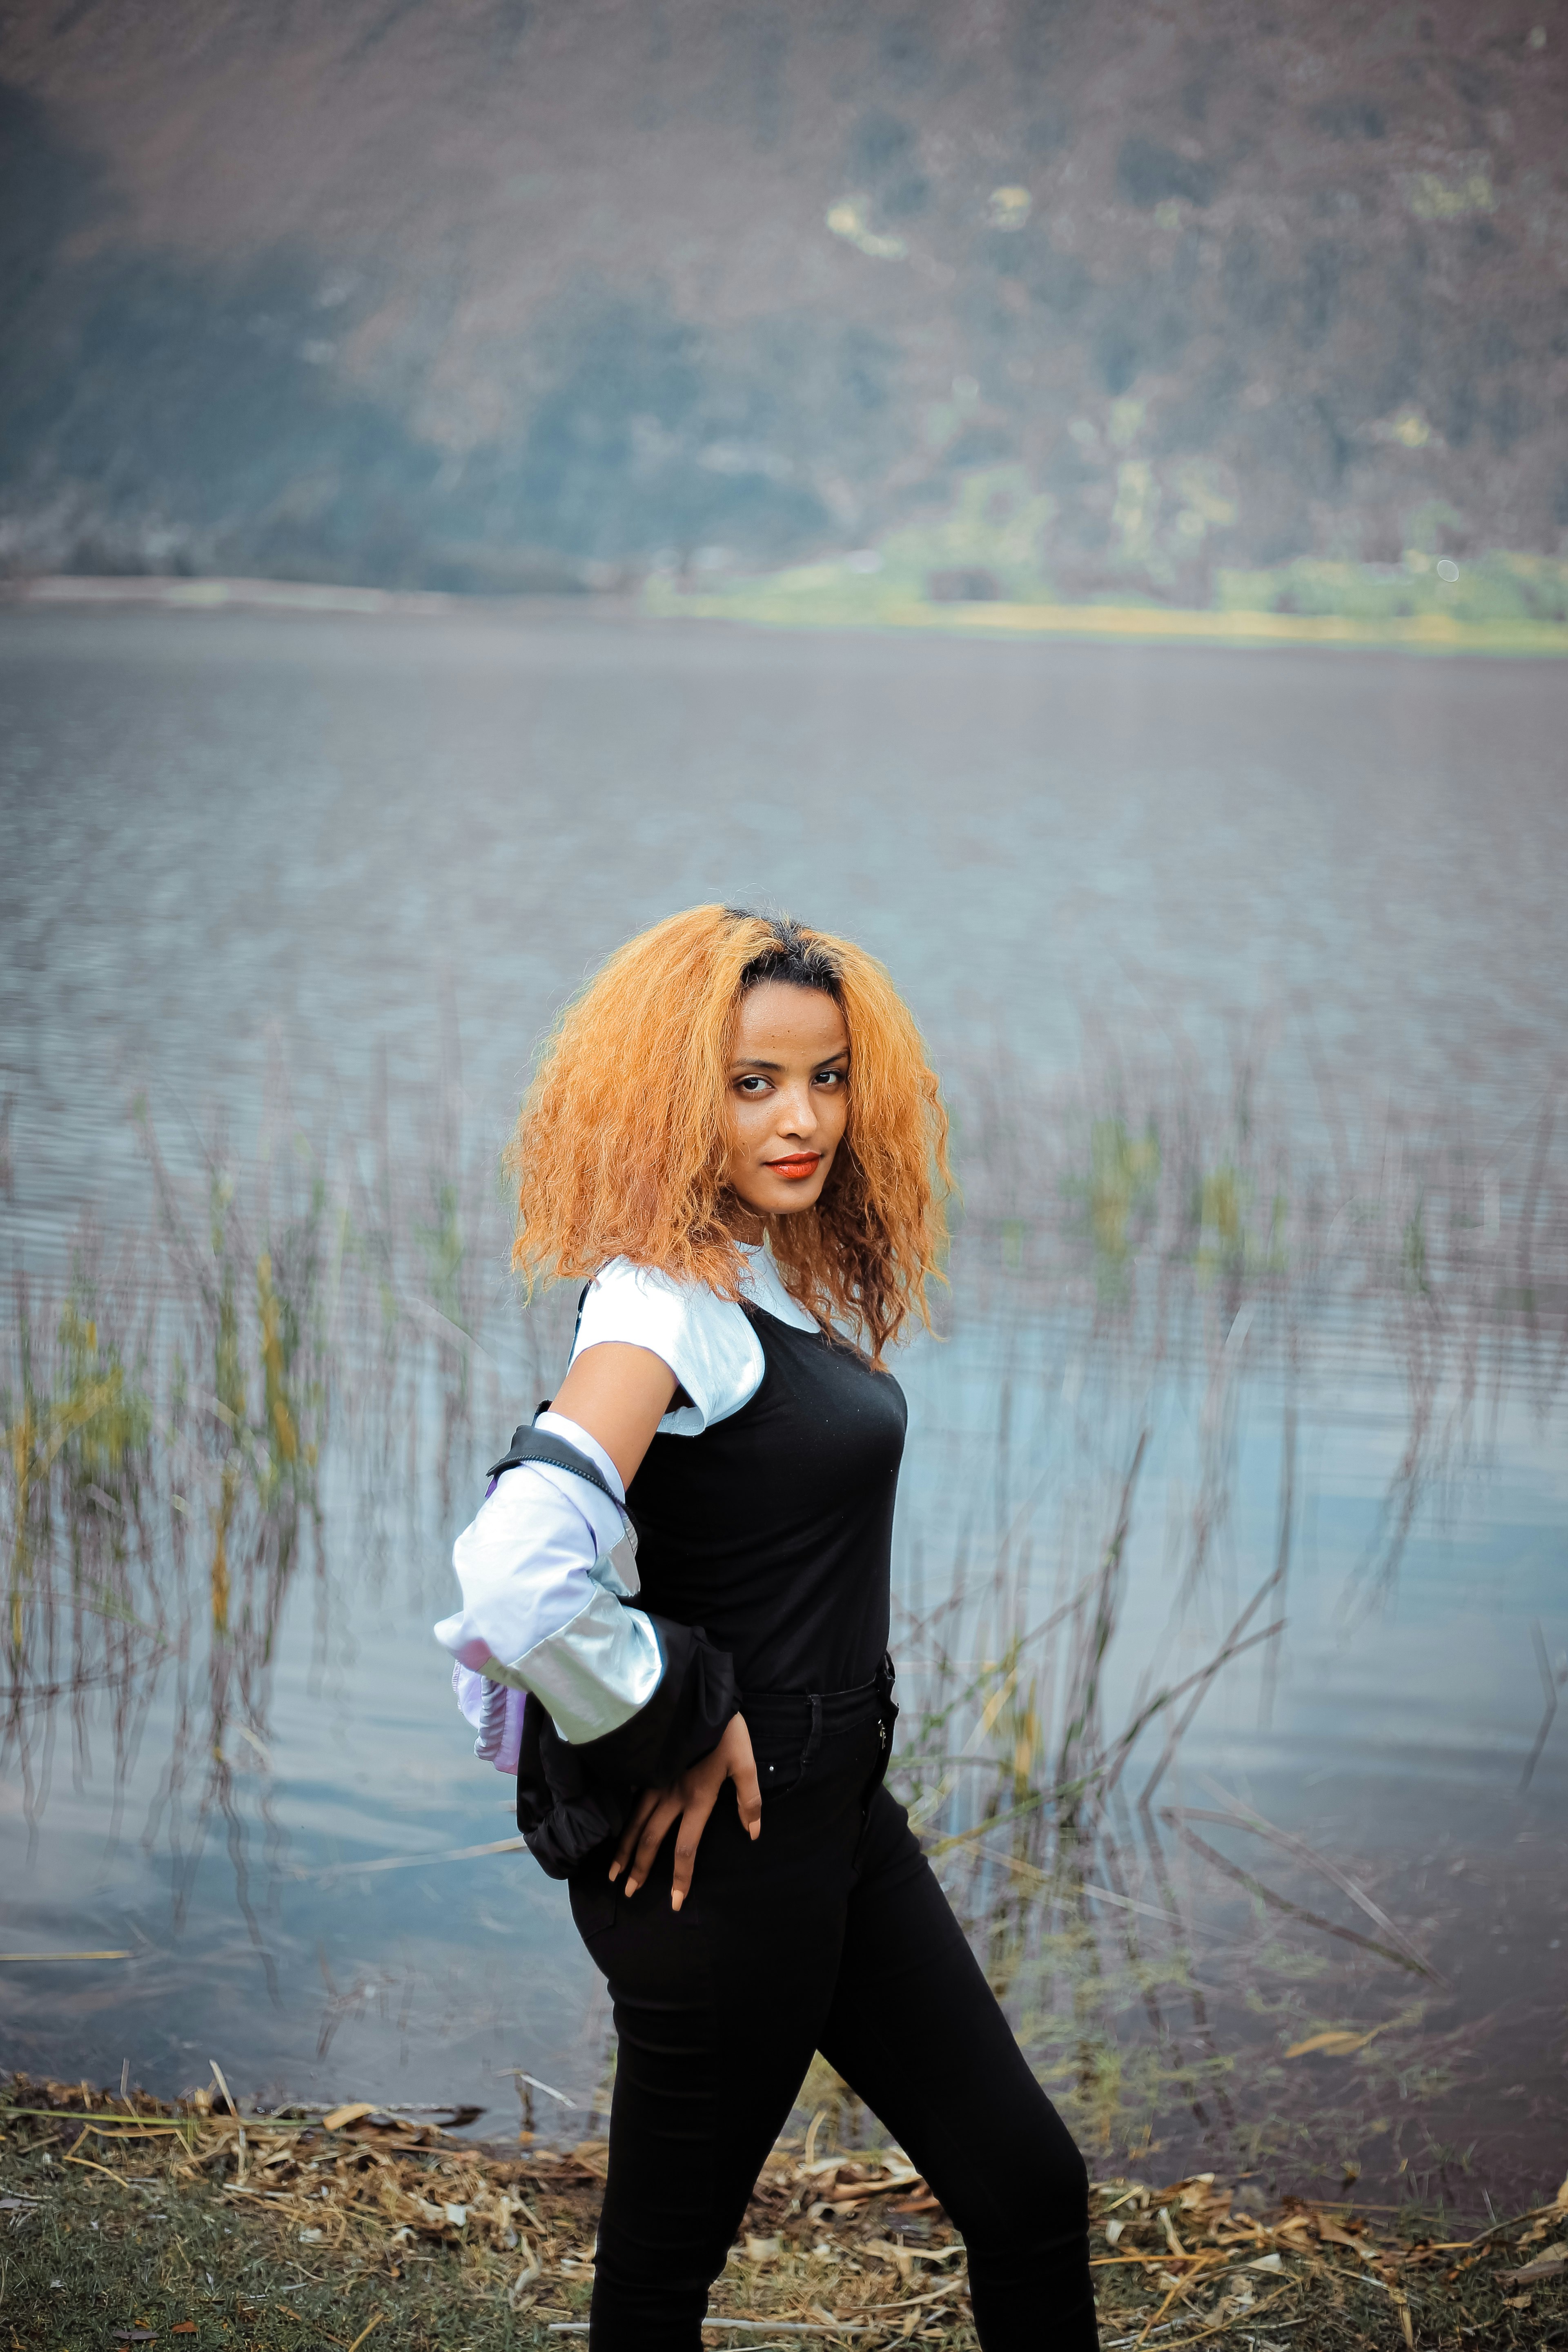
(803,1164)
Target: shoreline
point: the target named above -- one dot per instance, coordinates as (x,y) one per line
(760,606)
(1427,634)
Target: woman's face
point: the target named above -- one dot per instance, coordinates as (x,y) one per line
(788,1097)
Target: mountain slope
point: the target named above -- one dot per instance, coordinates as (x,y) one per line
(489,294)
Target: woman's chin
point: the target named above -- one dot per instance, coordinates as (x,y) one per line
(783,1199)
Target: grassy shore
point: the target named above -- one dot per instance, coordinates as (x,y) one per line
(131,2221)
(982,567)
(765,605)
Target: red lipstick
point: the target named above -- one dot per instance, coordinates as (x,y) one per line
(801,1164)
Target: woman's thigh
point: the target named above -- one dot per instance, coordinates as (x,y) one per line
(917,2032)
(718,2008)
(715,2028)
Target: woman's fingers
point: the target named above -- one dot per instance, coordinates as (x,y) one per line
(691,1801)
(665,1810)
(693,1821)
(742,1770)
(749,1796)
(633,1831)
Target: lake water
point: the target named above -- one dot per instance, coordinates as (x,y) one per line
(294,897)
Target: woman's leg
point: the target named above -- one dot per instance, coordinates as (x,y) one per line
(718,2010)
(916,2031)
(715,2034)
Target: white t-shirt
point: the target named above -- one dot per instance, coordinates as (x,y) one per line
(706,1340)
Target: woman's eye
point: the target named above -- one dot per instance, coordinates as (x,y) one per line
(752,1085)
(830,1077)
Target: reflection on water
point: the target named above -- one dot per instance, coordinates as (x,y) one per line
(1229,1566)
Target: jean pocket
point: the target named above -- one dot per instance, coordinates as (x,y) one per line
(778,1775)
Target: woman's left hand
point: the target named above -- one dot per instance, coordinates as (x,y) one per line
(690,1801)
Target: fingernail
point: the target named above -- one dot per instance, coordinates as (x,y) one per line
(631,1886)
(615,1872)
(756,1829)
(676,1900)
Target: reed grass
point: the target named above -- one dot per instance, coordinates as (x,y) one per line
(1158,1958)
(291,1370)
(285,1347)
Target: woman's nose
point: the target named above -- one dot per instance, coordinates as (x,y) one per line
(799,1113)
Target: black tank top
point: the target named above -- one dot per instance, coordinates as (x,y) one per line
(773,1529)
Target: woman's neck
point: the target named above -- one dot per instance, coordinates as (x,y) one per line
(743,1223)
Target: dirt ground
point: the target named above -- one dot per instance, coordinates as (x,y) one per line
(129,2222)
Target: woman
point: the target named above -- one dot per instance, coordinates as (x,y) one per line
(734,1138)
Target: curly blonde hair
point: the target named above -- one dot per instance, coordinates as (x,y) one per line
(622,1141)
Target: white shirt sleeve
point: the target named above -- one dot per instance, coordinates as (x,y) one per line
(706,1340)
(524,1562)
(544,1568)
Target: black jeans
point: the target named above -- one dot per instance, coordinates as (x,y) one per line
(829,1933)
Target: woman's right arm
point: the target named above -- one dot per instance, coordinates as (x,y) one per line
(545,1567)
(544,1612)
(621,1401)
(619,1394)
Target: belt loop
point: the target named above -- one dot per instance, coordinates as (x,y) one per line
(814,1736)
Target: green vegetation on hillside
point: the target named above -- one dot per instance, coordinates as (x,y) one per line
(986,559)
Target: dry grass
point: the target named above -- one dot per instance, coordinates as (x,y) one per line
(289,2230)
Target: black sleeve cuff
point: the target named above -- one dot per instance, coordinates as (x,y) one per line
(572,1801)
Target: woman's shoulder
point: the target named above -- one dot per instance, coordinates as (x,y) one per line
(625,1276)
(640,1291)
(704,1339)
(625,1287)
